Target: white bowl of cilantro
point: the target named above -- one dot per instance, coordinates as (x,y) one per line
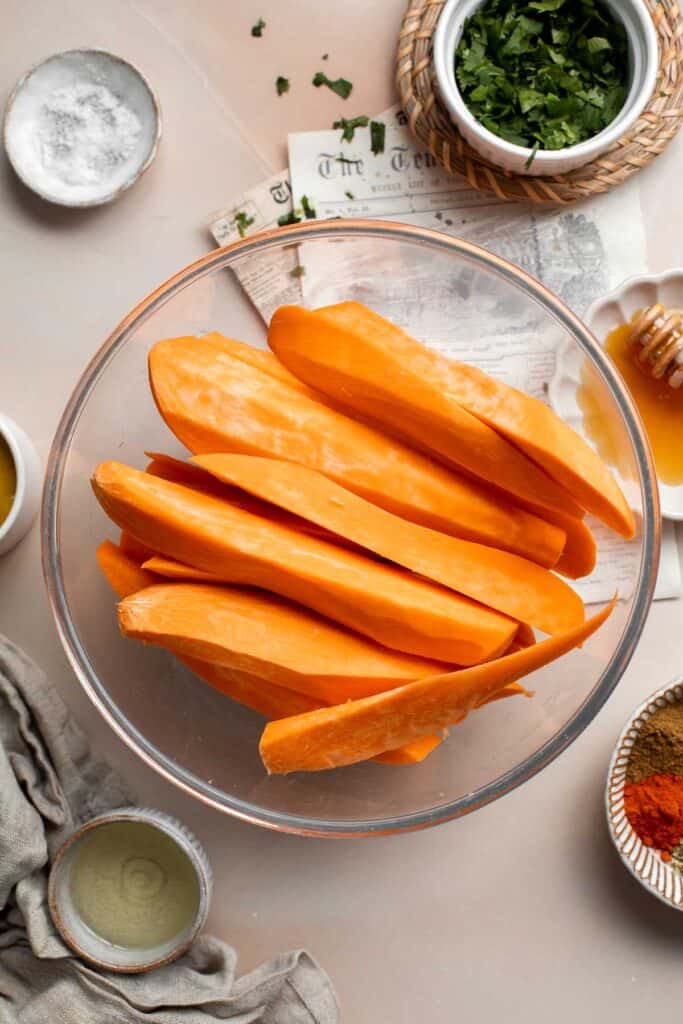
(544,86)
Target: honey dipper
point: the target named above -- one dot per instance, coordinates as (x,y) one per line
(658,332)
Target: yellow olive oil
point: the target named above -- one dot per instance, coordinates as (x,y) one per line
(8,480)
(133,886)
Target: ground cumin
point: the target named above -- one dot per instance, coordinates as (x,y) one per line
(659,746)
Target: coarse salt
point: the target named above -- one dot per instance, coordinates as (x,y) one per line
(81,126)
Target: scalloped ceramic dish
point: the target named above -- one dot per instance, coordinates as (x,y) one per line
(644,863)
(606,313)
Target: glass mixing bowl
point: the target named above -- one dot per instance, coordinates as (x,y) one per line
(445,292)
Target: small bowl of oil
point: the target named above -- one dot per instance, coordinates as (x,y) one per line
(130,890)
(574,391)
(20,481)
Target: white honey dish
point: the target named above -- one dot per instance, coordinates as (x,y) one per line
(643,60)
(95,69)
(617,308)
(645,863)
(28,485)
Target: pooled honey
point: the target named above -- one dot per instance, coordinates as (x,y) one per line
(8,480)
(660,406)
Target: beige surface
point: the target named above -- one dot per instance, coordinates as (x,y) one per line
(518,912)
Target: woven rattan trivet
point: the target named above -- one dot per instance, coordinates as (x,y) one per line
(430,122)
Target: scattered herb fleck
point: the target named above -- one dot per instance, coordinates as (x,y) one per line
(348,125)
(341,86)
(309,210)
(257,29)
(349,195)
(288,218)
(281,85)
(325,56)
(242,221)
(532,155)
(544,74)
(298,271)
(377,134)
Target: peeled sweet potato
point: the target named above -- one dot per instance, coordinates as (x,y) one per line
(125,578)
(506,582)
(214,402)
(526,422)
(358,358)
(386,603)
(337,736)
(266,636)
(122,572)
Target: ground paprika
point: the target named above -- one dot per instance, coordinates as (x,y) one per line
(654,807)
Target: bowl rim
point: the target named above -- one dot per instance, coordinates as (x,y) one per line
(546,159)
(105,197)
(204,791)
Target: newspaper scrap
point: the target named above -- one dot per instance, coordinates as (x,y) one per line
(271,280)
(580,253)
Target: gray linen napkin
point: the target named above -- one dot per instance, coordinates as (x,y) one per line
(49,784)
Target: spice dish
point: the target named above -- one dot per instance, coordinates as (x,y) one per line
(657,870)
(81,127)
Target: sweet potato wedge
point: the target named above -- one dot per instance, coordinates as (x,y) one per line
(526,422)
(506,582)
(337,736)
(381,601)
(356,357)
(122,572)
(268,699)
(214,402)
(268,637)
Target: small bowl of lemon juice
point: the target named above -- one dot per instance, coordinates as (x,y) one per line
(130,890)
(20,476)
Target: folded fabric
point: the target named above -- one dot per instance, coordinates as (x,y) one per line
(49,785)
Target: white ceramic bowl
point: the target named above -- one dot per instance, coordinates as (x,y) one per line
(27,496)
(22,127)
(601,317)
(643,49)
(645,864)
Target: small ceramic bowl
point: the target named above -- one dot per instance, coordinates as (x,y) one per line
(644,61)
(27,495)
(645,864)
(601,317)
(92,947)
(25,128)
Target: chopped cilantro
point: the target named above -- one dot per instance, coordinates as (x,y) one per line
(349,195)
(242,222)
(309,211)
(288,218)
(281,85)
(298,271)
(257,29)
(543,74)
(341,86)
(348,125)
(377,134)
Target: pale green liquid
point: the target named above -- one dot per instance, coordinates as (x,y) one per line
(133,886)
